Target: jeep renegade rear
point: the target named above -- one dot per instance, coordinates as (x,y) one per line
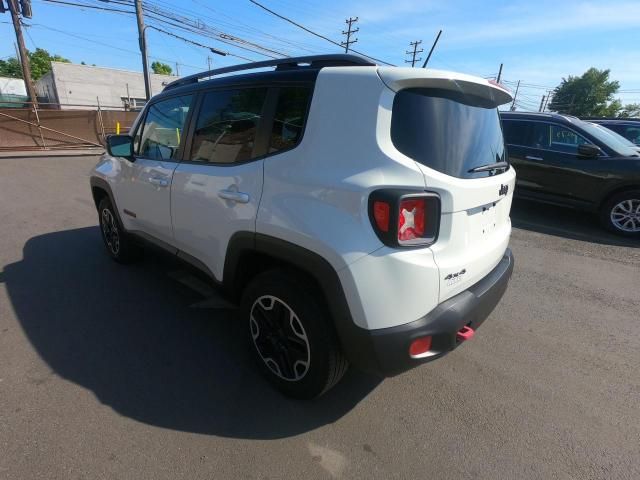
(357,214)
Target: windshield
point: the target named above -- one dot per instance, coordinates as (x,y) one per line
(609,140)
(448,131)
(617,136)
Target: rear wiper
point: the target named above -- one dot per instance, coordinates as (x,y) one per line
(489,167)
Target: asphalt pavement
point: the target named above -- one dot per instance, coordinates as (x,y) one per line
(132,372)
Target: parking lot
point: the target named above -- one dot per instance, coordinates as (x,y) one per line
(131,372)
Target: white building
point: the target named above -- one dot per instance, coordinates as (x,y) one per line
(83,86)
(12,86)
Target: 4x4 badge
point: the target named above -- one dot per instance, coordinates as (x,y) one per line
(503,189)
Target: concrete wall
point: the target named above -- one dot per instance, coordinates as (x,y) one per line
(12,86)
(82,85)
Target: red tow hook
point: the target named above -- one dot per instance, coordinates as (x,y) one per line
(465,333)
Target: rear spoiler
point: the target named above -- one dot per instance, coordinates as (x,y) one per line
(400,78)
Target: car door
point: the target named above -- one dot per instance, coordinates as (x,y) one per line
(549,166)
(144,193)
(216,189)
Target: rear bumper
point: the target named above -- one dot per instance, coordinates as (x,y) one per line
(386,351)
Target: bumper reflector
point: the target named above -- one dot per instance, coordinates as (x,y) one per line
(419,347)
(465,333)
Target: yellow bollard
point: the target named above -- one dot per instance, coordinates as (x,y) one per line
(117,128)
(178,135)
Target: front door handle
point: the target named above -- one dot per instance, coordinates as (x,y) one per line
(159,181)
(535,159)
(234,196)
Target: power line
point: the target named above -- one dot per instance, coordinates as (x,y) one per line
(38,25)
(316,34)
(156,11)
(238,24)
(202,27)
(191,30)
(213,50)
(83,5)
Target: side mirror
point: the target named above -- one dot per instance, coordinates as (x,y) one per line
(588,150)
(120,146)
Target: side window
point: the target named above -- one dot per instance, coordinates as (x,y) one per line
(565,140)
(515,132)
(163,128)
(290,117)
(226,127)
(633,134)
(539,135)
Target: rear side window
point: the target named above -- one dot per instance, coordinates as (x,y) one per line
(290,117)
(447,131)
(515,133)
(163,127)
(226,126)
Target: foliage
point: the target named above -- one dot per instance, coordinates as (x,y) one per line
(630,110)
(161,68)
(40,62)
(589,95)
(10,68)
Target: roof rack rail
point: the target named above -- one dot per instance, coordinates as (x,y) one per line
(313,61)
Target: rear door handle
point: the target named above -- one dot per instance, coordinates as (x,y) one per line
(234,196)
(159,181)
(531,157)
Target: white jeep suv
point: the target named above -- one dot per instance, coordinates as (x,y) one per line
(357,214)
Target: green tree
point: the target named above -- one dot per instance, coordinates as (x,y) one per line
(40,61)
(589,95)
(630,110)
(10,68)
(161,68)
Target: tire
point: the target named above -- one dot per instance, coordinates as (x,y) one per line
(621,213)
(301,357)
(119,245)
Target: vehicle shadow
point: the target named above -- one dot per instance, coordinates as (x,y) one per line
(130,336)
(564,222)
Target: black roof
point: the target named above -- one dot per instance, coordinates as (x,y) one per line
(540,116)
(613,121)
(289,69)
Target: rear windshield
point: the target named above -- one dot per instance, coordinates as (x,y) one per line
(448,131)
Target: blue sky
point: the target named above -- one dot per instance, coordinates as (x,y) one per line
(538,42)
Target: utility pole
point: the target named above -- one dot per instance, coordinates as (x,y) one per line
(435,42)
(348,33)
(143,49)
(22,50)
(499,74)
(546,102)
(414,53)
(177,69)
(515,95)
(209,62)
(541,103)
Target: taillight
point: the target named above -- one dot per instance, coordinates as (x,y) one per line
(401,218)
(381,215)
(420,347)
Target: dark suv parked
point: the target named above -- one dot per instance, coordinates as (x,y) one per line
(566,161)
(628,128)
